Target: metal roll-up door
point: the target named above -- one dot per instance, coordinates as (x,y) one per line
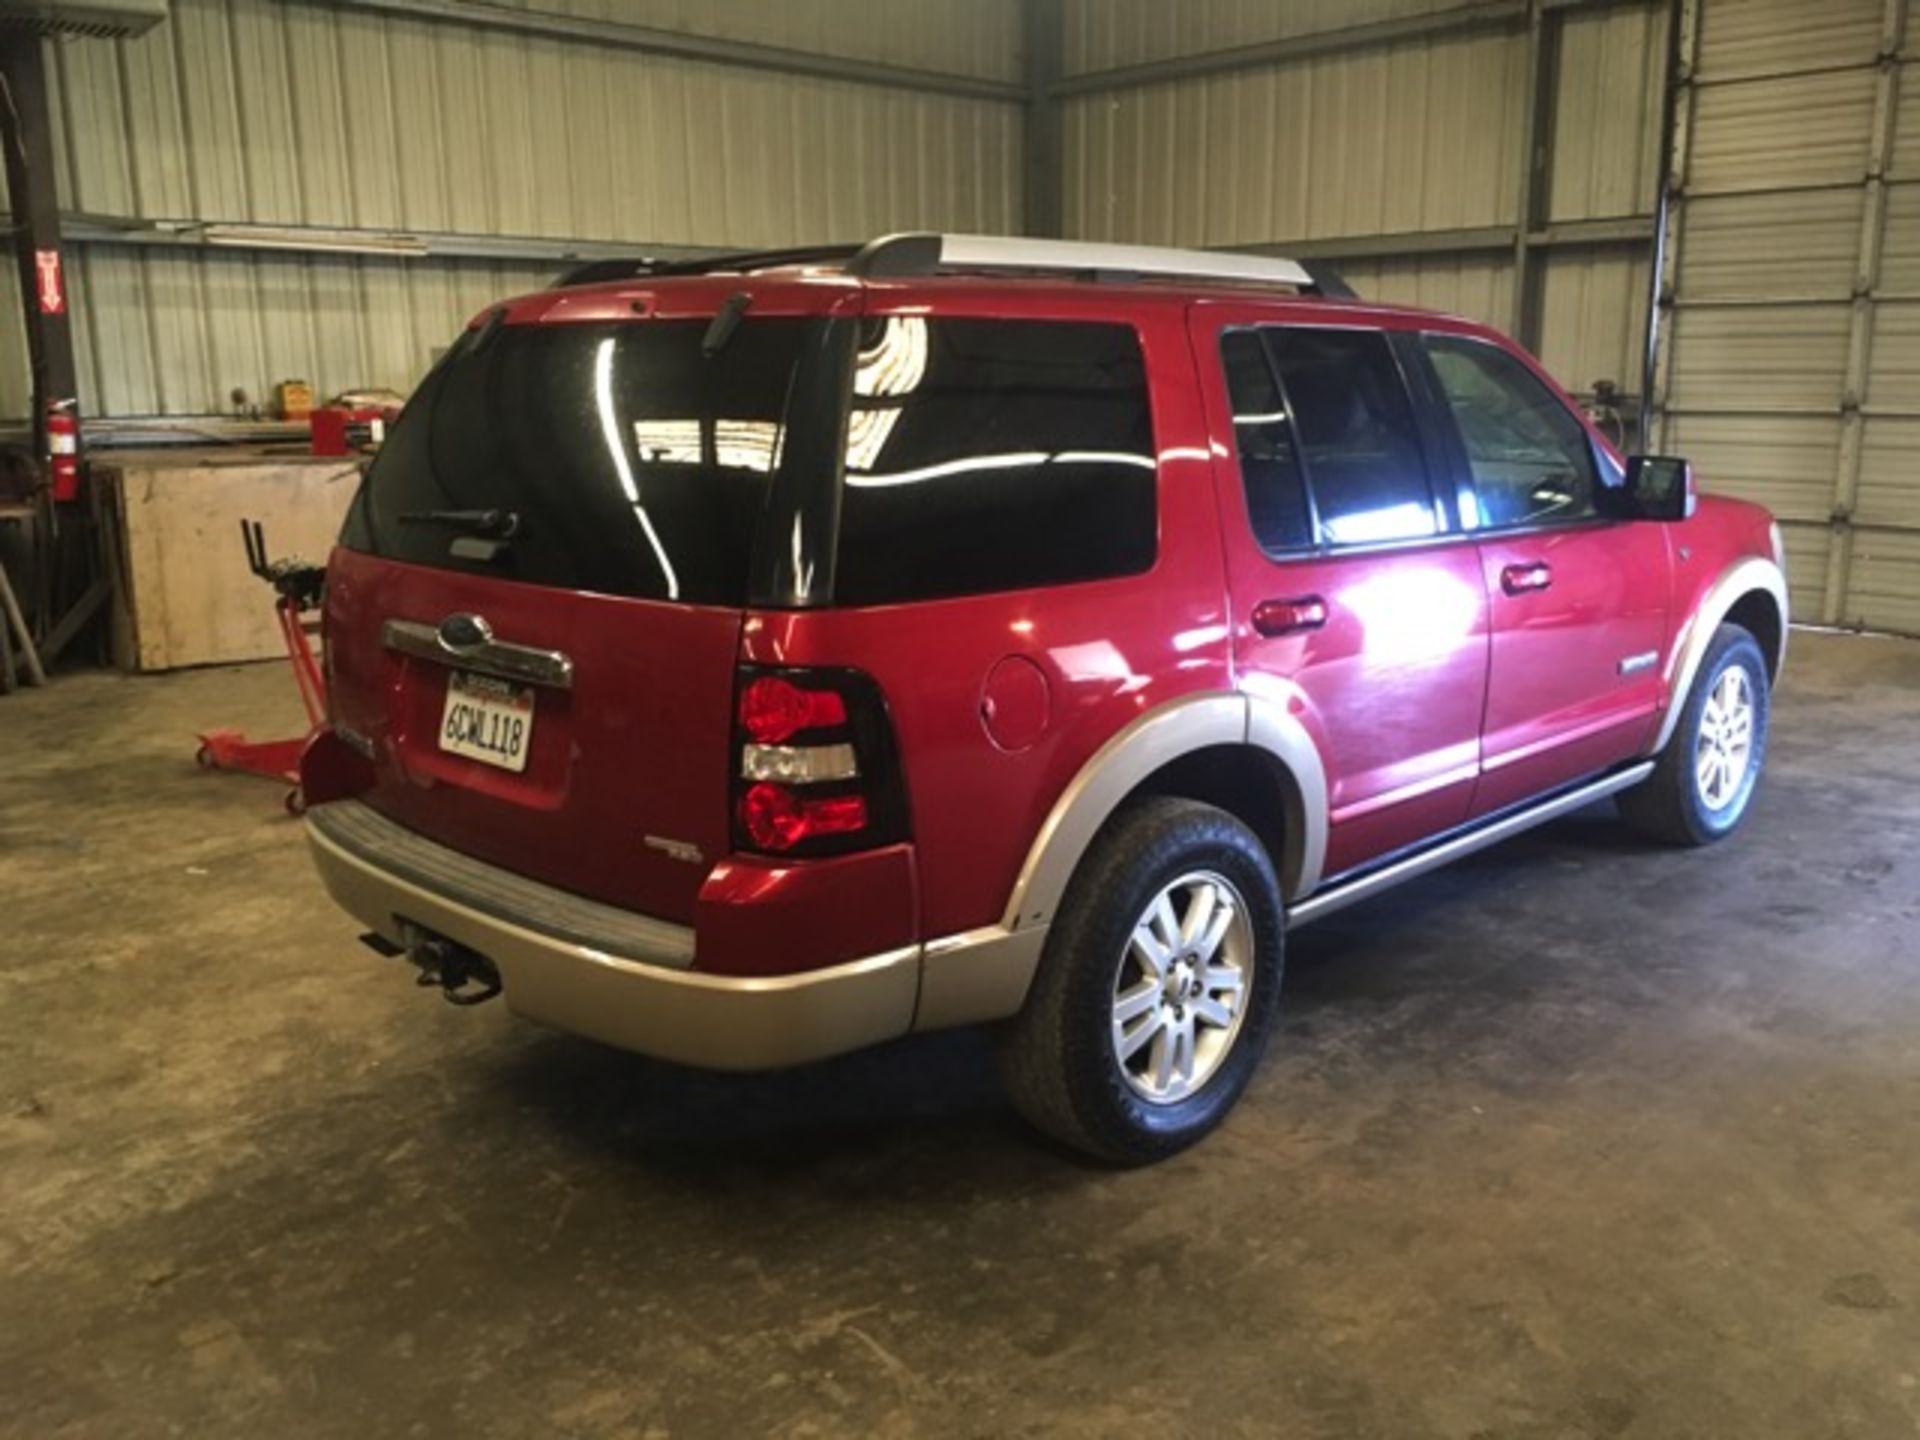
(1789,359)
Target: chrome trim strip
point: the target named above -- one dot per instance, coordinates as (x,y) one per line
(525,663)
(1338,897)
(362,833)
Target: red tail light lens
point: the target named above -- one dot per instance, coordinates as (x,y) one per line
(773,710)
(776,819)
(816,770)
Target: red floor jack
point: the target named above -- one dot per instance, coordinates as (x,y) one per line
(298,588)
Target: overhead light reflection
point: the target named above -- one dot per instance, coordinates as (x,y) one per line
(1412,613)
(737,444)
(1406,521)
(610,430)
(1013,460)
(893,366)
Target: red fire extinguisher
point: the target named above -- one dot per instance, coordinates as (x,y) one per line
(63,449)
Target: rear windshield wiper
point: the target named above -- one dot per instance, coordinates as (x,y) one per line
(501,524)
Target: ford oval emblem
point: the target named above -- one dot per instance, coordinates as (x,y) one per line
(465,632)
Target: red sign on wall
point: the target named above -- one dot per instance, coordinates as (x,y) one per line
(53,291)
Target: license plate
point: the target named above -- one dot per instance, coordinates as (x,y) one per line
(487,720)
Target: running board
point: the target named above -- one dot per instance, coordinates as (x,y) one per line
(1363,887)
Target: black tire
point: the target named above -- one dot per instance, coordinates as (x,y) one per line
(1669,804)
(1058,1056)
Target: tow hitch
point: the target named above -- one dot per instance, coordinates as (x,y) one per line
(465,977)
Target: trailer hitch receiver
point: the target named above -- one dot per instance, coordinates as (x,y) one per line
(465,977)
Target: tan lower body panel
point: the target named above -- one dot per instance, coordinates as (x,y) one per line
(720,1022)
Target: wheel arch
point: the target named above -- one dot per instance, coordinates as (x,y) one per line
(1252,757)
(1751,593)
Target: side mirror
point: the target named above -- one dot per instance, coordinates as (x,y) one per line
(1658,487)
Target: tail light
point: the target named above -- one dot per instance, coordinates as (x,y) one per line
(816,771)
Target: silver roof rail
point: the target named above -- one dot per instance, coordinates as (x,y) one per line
(918,253)
(929,254)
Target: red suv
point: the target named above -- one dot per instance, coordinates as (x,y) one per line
(749,661)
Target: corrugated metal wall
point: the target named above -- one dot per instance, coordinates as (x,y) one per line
(1400,139)
(1791,361)
(293,112)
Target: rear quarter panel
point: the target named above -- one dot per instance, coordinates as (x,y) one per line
(1108,650)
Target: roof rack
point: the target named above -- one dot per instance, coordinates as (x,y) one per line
(600,272)
(931,254)
(927,253)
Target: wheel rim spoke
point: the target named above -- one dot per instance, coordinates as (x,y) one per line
(1160,1061)
(1127,1045)
(1147,949)
(1218,978)
(1208,944)
(1183,1049)
(1136,1002)
(1214,1012)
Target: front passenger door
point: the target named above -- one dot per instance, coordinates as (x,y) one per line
(1357,605)
(1579,603)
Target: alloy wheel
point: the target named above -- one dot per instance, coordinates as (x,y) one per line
(1723,753)
(1180,988)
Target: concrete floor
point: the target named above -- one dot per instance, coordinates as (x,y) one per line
(1579,1139)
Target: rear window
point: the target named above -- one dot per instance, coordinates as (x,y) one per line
(635,464)
(988,455)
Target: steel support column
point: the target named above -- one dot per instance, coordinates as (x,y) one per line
(1544,32)
(26,135)
(1044,157)
(1866,281)
(1682,61)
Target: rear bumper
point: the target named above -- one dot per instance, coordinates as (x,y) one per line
(602,972)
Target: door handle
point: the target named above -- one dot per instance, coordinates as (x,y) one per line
(1519,579)
(1289,617)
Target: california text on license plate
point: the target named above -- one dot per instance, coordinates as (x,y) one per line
(487,720)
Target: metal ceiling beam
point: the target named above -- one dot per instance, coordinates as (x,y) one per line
(610,34)
(1484,17)
(1484,240)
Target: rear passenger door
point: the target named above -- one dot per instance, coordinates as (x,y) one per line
(1356,603)
(1579,602)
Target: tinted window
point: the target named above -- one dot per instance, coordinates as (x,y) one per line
(1532,461)
(1269,463)
(636,465)
(1356,433)
(994,455)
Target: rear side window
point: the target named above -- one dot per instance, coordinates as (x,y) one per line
(987,455)
(1356,433)
(1269,461)
(1531,459)
(633,463)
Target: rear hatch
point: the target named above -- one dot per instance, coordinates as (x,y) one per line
(535,610)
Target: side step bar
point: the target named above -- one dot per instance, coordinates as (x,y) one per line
(1362,887)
